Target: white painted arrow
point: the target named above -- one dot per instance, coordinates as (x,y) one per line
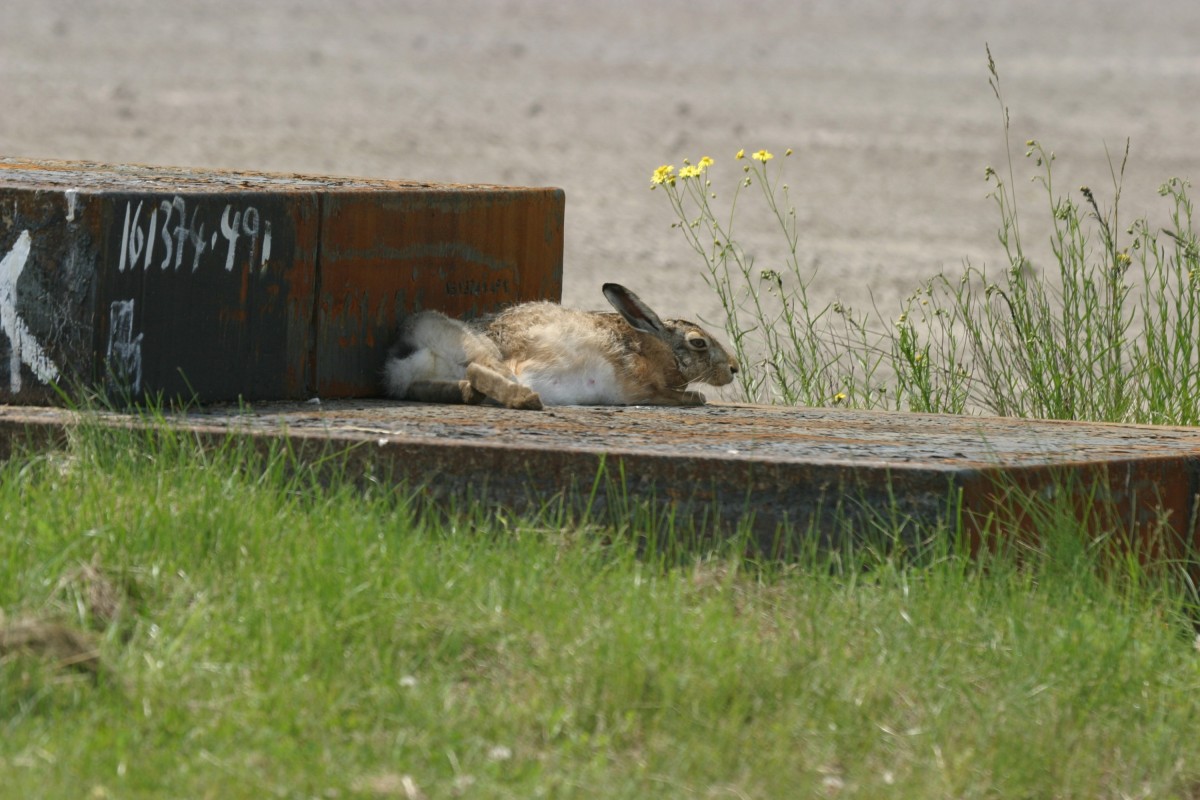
(24,348)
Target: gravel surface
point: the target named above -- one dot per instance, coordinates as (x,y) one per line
(886,104)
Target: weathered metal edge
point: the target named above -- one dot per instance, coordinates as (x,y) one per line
(59,173)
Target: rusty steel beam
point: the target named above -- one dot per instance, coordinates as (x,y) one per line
(151,281)
(789,473)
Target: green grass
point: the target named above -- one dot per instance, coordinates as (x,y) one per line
(281,636)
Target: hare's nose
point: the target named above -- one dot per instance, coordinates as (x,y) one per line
(733,368)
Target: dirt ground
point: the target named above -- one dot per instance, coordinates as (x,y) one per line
(886,105)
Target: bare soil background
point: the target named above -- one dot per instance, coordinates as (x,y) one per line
(886,105)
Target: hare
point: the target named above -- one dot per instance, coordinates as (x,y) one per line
(539,353)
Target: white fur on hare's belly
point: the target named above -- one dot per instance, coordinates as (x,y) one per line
(593,383)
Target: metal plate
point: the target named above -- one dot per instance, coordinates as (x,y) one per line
(782,472)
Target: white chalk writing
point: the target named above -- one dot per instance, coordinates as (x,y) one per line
(124,356)
(24,348)
(179,237)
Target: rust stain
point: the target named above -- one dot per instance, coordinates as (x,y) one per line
(388,254)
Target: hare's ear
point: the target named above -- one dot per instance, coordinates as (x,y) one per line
(631,307)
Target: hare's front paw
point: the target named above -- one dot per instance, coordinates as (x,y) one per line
(692,399)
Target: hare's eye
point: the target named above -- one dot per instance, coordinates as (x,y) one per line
(697,342)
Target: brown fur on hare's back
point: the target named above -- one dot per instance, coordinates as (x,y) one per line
(541,353)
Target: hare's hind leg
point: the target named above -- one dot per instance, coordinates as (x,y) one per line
(448,392)
(501,388)
(438,359)
(482,382)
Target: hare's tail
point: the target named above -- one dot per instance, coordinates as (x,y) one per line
(431,347)
(399,374)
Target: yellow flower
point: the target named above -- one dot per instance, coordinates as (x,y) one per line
(840,397)
(706,162)
(763,156)
(690,172)
(663,175)
(740,154)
